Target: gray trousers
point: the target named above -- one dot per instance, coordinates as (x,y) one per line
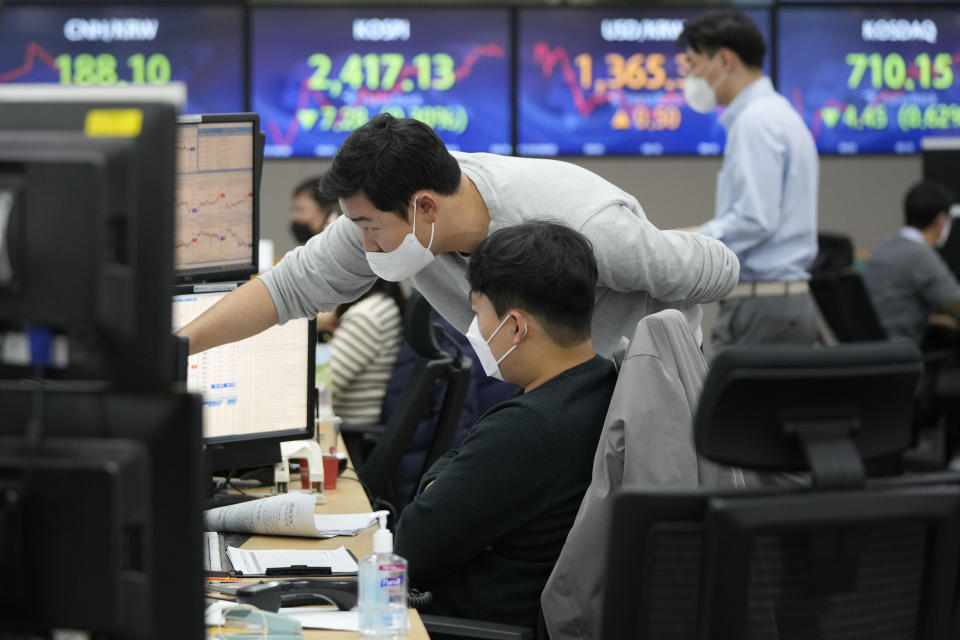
(787,319)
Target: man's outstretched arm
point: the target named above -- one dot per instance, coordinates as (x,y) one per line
(240,314)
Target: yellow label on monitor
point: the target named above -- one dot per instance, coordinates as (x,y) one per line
(113,123)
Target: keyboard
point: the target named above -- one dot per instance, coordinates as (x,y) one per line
(215,560)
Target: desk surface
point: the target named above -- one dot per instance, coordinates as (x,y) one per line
(348,497)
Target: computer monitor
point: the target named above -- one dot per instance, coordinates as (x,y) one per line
(257,392)
(86,194)
(217,198)
(100,521)
(940,160)
(100,469)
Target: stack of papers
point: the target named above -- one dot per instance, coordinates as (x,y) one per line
(328,618)
(344,524)
(257,563)
(290,514)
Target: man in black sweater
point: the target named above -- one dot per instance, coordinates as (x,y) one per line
(490,518)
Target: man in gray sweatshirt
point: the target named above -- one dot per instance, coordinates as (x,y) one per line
(906,278)
(415,211)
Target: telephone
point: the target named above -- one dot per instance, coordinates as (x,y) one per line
(271,595)
(341,592)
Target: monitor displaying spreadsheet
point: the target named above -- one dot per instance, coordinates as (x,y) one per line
(258,387)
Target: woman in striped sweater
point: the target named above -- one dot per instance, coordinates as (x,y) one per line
(364,349)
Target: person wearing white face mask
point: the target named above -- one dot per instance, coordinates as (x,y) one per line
(415,211)
(766,207)
(906,278)
(489,519)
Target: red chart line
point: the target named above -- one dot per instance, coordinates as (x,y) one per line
(33,53)
(548,59)
(285,138)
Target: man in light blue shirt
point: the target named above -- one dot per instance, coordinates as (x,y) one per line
(766,209)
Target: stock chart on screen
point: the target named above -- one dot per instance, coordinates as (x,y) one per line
(871,79)
(214,196)
(320,73)
(123,43)
(598,81)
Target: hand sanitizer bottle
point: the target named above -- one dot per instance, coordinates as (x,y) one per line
(383,588)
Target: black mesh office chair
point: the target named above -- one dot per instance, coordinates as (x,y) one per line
(845,557)
(434,367)
(846,306)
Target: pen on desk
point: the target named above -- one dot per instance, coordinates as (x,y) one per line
(298,570)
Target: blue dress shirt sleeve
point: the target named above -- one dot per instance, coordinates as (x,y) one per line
(750,188)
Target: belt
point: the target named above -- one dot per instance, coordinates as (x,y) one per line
(762,289)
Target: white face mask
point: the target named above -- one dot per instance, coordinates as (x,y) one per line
(489,362)
(406,260)
(945,232)
(699,94)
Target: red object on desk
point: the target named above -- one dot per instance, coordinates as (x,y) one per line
(331,466)
(305,476)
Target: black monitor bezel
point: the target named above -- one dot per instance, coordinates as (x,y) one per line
(51,109)
(233,272)
(249,450)
(166,423)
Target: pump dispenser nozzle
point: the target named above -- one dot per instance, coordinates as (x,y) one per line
(382,538)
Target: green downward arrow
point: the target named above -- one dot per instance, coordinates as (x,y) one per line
(830,116)
(308,118)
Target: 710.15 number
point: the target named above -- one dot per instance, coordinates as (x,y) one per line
(891,71)
(101,69)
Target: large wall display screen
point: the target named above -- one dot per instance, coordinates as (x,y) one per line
(126,43)
(871,79)
(319,73)
(600,81)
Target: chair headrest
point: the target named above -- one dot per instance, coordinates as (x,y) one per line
(835,254)
(418,326)
(755,396)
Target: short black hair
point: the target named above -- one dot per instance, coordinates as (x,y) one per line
(547,269)
(312,187)
(388,160)
(924,201)
(712,30)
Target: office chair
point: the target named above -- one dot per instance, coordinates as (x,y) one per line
(647,437)
(846,557)
(846,306)
(834,255)
(435,366)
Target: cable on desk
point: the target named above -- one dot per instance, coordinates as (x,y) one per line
(417,598)
(378,504)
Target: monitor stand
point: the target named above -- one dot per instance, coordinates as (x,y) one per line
(223,498)
(219,492)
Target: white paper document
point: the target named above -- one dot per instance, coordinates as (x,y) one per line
(314,618)
(343,524)
(290,514)
(257,562)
